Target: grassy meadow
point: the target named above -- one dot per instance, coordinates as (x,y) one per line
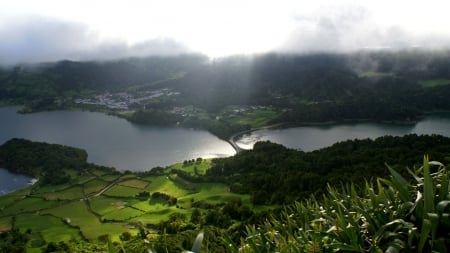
(94,203)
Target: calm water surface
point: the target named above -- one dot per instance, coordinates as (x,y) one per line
(10,182)
(116,142)
(113,141)
(312,138)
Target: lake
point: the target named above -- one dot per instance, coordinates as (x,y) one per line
(113,141)
(309,138)
(10,182)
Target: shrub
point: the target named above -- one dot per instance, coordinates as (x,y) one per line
(393,215)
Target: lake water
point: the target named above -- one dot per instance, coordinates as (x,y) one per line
(311,138)
(113,141)
(10,182)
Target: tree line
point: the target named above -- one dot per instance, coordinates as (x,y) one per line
(274,174)
(44,161)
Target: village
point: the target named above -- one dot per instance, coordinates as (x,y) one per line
(124,100)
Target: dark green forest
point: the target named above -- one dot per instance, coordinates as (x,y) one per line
(310,88)
(274,174)
(270,173)
(43,160)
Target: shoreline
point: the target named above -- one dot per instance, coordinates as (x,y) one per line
(234,136)
(30,181)
(232,139)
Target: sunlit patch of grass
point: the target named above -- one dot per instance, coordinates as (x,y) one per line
(144,206)
(78,215)
(202,166)
(212,193)
(122,191)
(165,185)
(122,214)
(51,228)
(158,214)
(135,183)
(104,205)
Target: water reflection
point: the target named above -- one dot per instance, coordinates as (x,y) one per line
(312,138)
(113,141)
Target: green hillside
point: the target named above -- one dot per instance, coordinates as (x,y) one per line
(232,94)
(337,198)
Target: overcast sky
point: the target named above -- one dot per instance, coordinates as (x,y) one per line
(49,30)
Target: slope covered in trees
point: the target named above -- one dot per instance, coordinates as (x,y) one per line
(42,160)
(391,86)
(270,174)
(274,174)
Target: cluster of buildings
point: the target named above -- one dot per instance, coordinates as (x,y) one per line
(123,100)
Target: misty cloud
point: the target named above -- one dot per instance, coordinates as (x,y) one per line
(37,33)
(44,40)
(352,28)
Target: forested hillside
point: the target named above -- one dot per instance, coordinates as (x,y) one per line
(273,174)
(364,183)
(47,162)
(383,86)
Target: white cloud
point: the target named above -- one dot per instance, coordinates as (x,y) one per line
(91,28)
(353,27)
(38,40)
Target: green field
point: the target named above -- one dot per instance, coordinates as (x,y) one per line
(50,188)
(135,183)
(434,83)
(161,213)
(111,178)
(77,214)
(257,118)
(47,227)
(11,198)
(94,204)
(144,206)
(122,191)
(72,193)
(166,185)
(79,177)
(253,116)
(30,204)
(105,205)
(212,193)
(202,167)
(94,186)
(123,214)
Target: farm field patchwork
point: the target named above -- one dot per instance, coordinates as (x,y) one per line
(94,203)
